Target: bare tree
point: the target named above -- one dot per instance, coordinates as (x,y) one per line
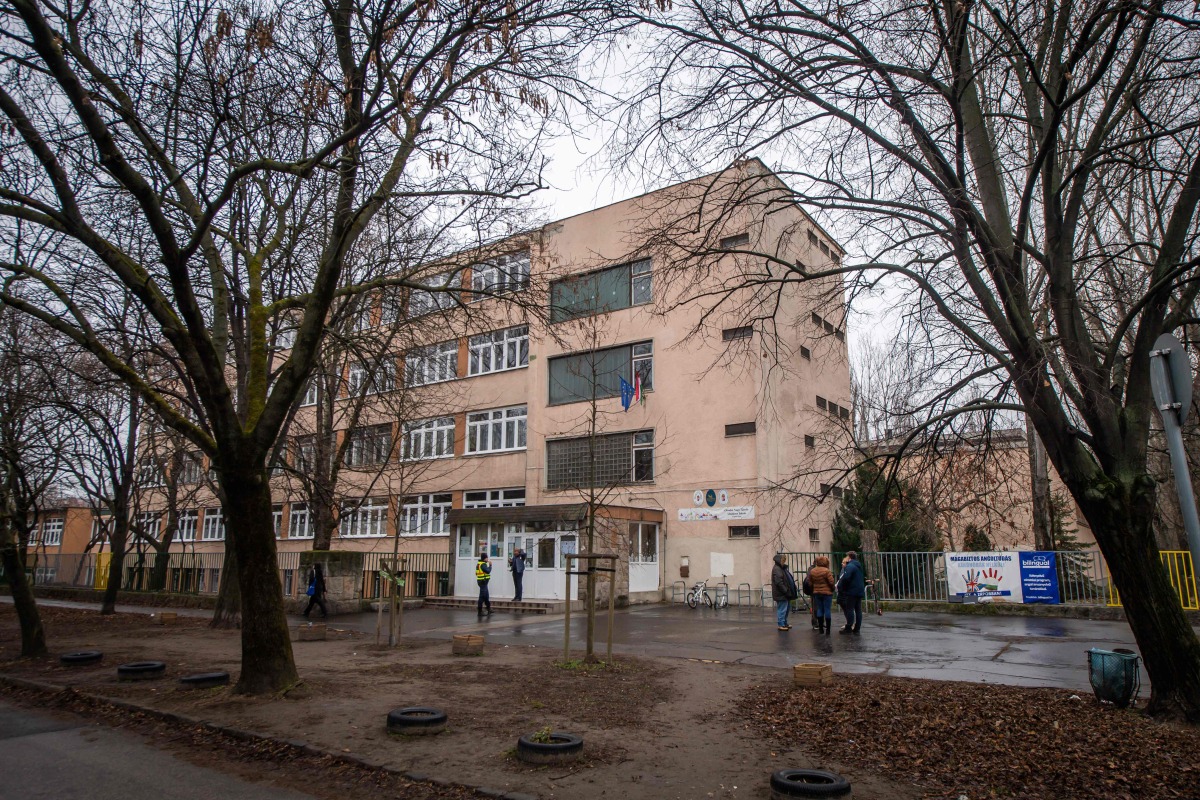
(1023,177)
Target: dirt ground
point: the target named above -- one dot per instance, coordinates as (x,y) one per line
(653,728)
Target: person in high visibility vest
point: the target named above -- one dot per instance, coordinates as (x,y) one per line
(483,574)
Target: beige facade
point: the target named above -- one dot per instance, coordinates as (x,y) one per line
(718,467)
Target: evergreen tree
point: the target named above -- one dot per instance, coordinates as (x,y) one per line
(892,506)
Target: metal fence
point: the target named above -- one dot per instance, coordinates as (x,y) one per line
(1182,574)
(424,574)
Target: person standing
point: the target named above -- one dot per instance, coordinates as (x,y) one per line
(517,565)
(821,579)
(783,591)
(316,591)
(852,587)
(483,575)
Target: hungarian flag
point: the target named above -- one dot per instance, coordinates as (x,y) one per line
(638,397)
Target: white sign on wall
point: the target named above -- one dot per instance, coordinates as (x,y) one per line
(708,514)
(720,564)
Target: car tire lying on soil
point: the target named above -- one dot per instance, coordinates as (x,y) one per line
(80,658)
(416,721)
(789,783)
(141,670)
(562,747)
(205,680)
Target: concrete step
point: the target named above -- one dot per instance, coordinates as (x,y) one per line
(524,606)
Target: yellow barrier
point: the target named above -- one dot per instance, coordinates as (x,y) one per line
(100,580)
(1183,579)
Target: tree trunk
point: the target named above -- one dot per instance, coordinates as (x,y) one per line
(116,544)
(323,522)
(33,635)
(228,611)
(158,572)
(267,663)
(1121,516)
(1039,480)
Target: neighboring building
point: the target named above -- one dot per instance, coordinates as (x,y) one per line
(718,467)
(64,532)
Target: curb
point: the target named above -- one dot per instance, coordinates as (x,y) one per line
(257,736)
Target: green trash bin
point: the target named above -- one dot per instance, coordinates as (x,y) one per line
(1115,675)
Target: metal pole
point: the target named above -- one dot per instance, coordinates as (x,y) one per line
(1172,414)
(567,619)
(612,594)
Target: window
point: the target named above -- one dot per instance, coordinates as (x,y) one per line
(844,412)
(810,441)
(576,377)
(827,326)
(285,338)
(425,515)
(187,525)
(148,523)
(805,352)
(300,522)
(309,398)
(498,430)
(837,492)
(420,302)
(191,470)
(619,459)
(368,518)
(814,536)
(433,364)
(150,472)
(599,292)
(643,543)
(822,403)
(812,238)
(732,334)
(740,428)
(501,350)
(370,445)
(214,525)
(743,531)
(277,519)
(824,248)
(52,530)
(304,451)
(737,240)
(508,273)
(430,438)
(364,379)
(494,498)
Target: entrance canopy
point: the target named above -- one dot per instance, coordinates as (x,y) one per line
(570,512)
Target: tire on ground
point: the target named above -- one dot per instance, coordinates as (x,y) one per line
(416,721)
(561,747)
(205,680)
(80,657)
(788,783)
(141,670)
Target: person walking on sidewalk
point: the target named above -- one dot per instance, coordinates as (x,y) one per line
(822,581)
(783,591)
(852,587)
(483,575)
(517,565)
(316,591)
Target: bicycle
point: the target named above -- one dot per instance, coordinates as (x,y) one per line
(698,593)
(722,600)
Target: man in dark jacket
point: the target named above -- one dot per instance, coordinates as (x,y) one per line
(783,591)
(316,591)
(483,575)
(517,565)
(852,587)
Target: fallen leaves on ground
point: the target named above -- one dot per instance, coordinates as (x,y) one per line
(983,741)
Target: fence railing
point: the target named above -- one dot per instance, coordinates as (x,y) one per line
(1182,574)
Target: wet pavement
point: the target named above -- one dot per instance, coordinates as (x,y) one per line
(1020,651)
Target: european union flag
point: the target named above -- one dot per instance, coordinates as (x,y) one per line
(626,394)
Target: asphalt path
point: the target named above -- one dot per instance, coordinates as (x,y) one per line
(58,757)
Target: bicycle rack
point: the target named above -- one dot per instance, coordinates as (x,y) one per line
(749,597)
(721,592)
(679,591)
(764,594)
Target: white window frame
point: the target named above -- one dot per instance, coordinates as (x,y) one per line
(421,303)
(311,392)
(52,531)
(369,446)
(494,498)
(299,522)
(641,279)
(277,519)
(213,527)
(642,441)
(151,524)
(508,273)
(191,468)
(367,379)
(499,430)
(498,351)
(425,515)
(188,521)
(365,520)
(150,472)
(435,363)
(429,439)
(639,533)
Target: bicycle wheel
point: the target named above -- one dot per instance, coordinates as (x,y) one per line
(692,600)
(722,601)
(708,601)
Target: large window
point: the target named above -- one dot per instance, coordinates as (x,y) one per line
(300,522)
(420,302)
(214,525)
(497,430)
(494,498)
(643,542)
(368,446)
(192,468)
(508,273)
(429,438)
(187,525)
(368,518)
(150,472)
(371,378)
(433,364)
(619,458)
(304,453)
(501,350)
(52,531)
(598,292)
(148,523)
(574,378)
(425,515)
